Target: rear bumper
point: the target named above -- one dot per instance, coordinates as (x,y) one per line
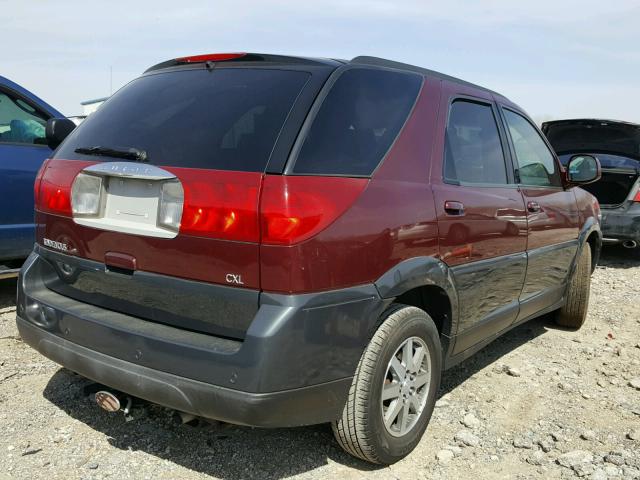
(294,366)
(302,406)
(620,224)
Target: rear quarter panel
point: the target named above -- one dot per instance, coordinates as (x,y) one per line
(393,219)
(588,206)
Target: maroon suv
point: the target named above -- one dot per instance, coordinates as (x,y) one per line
(277,241)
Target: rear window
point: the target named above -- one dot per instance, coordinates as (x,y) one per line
(357,122)
(473,151)
(225,119)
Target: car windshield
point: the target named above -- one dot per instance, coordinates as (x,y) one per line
(225,119)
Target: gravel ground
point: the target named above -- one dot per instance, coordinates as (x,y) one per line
(540,402)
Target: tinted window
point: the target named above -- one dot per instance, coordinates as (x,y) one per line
(473,151)
(357,122)
(20,122)
(226,119)
(536,165)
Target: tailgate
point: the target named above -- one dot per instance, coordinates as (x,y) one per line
(151,204)
(186,304)
(122,260)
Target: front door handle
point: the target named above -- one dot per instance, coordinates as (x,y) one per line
(533,207)
(453,208)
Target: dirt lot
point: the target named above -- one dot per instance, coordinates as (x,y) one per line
(538,403)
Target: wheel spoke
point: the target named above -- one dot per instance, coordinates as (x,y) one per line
(415,402)
(407,355)
(421,379)
(417,359)
(403,418)
(398,368)
(390,390)
(392,413)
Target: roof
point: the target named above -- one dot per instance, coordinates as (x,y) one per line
(243,57)
(360,60)
(382,62)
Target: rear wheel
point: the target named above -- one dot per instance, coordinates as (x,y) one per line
(574,312)
(393,391)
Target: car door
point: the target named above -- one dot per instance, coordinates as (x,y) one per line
(481,215)
(552,215)
(22,151)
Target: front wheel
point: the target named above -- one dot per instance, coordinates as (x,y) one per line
(394,389)
(574,312)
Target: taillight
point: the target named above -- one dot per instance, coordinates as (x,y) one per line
(54,195)
(171,204)
(36,184)
(219,204)
(294,208)
(86,193)
(636,198)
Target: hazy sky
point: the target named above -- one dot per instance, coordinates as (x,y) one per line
(557,59)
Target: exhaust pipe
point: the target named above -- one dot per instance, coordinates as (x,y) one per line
(629,244)
(111,403)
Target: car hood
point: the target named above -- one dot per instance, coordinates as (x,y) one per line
(594,136)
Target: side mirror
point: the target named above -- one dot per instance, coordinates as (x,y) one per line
(583,169)
(57,130)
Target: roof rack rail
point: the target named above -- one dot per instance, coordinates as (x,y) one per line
(382,62)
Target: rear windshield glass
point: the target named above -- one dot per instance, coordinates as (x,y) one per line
(226,119)
(357,122)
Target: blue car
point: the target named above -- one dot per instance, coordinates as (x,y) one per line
(23,148)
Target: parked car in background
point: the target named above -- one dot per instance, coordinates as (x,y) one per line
(280,241)
(617,145)
(23,148)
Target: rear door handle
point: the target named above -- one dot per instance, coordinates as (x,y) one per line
(453,208)
(533,207)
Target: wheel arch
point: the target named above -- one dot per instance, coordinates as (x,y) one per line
(426,283)
(589,234)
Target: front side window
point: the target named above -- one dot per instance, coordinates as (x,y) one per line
(357,122)
(473,151)
(535,162)
(20,122)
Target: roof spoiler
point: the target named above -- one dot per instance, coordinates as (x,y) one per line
(213,58)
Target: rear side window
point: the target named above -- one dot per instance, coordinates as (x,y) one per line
(536,165)
(225,119)
(357,122)
(473,151)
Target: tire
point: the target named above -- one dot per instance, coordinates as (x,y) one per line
(574,312)
(361,431)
